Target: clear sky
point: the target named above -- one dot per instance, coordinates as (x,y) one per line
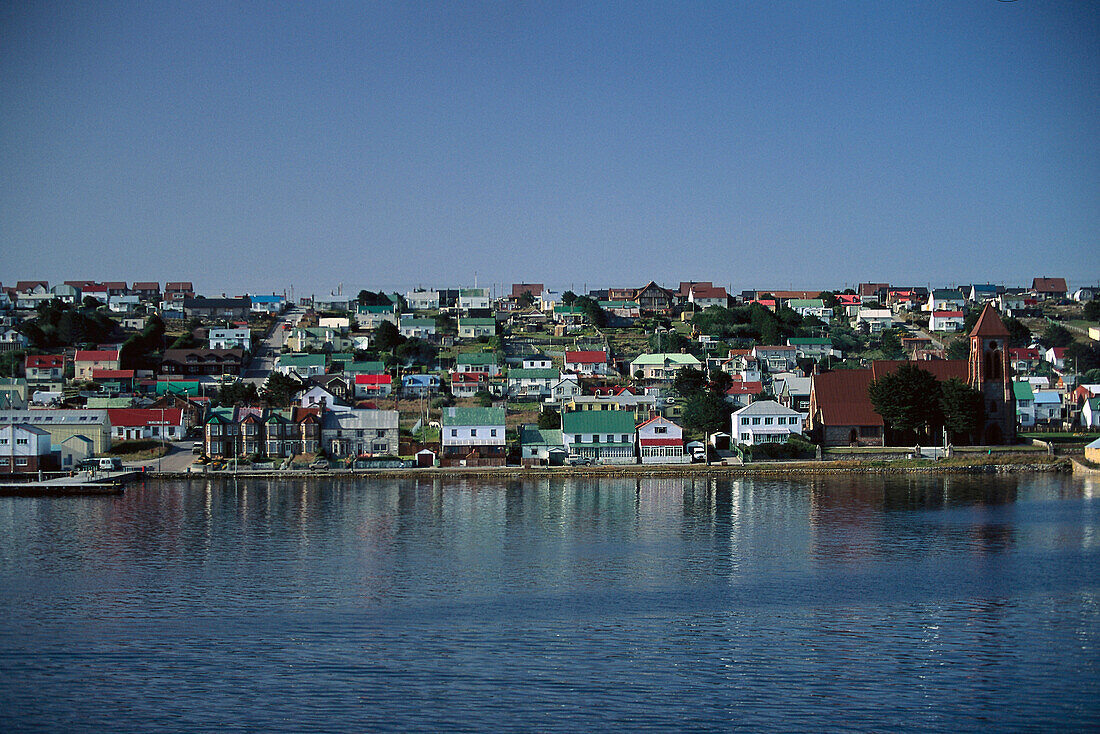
(255,146)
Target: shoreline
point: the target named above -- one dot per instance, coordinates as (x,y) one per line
(950,466)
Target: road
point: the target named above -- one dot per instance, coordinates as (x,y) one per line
(263,361)
(178,458)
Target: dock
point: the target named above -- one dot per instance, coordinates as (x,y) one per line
(81,483)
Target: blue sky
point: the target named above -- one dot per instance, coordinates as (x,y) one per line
(256,146)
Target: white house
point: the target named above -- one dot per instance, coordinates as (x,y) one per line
(536,362)
(660,441)
(474,298)
(422,300)
(592,362)
(473,327)
(1090,413)
(765,421)
(945,321)
(416,328)
(945,299)
(473,435)
(23,448)
(603,436)
(128,424)
(662,366)
(1025,403)
(240,338)
(776,358)
(877,319)
(564,390)
(811,307)
(1048,406)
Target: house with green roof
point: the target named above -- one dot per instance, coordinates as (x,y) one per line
(541,446)
(473,437)
(604,436)
(471,328)
(416,328)
(532,382)
(812,347)
(372,367)
(486,363)
(1025,403)
(811,307)
(301,365)
(662,366)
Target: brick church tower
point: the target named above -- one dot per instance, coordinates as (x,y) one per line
(988,373)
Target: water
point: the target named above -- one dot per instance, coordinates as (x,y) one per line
(932,604)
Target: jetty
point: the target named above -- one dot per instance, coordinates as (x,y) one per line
(78,483)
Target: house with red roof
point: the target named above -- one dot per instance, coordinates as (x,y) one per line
(705,295)
(1024,360)
(45,367)
(741,393)
(87,360)
(1057,357)
(946,321)
(1045,288)
(373,386)
(117,381)
(660,441)
(131,424)
(590,362)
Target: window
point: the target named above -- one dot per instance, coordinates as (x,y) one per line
(20,442)
(746,437)
(473,431)
(3,442)
(660,430)
(454,432)
(22,461)
(756,421)
(493,432)
(768,421)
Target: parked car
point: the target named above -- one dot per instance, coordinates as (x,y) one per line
(577,461)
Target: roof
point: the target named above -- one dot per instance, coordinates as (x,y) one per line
(370,367)
(532,374)
(752,387)
(28,428)
(841,398)
(806,341)
(473,417)
(534,436)
(1049,285)
(766,407)
(477,358)
(54,417)
(112,374)
(145,416)
(45,360)
(660,359)
(96,355)
(941,369)
(301,360)
(947,294)
(586,357)
(658,419)
(373,380)
(989,323)
(357,418)
(418,323)
(1022,391)
(478,321)
(183,285)
(598,421)
(806,303)
(947,314)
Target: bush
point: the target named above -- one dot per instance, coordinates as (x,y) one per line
(795,448)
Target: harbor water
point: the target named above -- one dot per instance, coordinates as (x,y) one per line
(890,603)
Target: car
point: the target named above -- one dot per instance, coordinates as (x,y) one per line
(319,464)
(578,461)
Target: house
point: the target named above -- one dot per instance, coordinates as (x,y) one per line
(122,304)
(564,390)
(945,299)
(373,386)
(25,448)
(1014,304)
(661,366)
(873,291)
(369,367)
(742,393)
(1047,288)
(849,303)
(1092,451)
(809,347)
(765,421)
(1024,360)
(981,294)
(334,302)
(317,396)
(1025,404)
(45,367)
(742,365)
(615,399)
(571,317)
(87,360)
(13,393)
(360,433)
(811,307)
(946,321)
(653,298)
(262,432)
(472,328)
(416,328)
(535,361)
(61,424)
(317,338)
(705,295)
(236,338)
(1056,356)
(1084,295)
(147,291)
(603,436)
(528,383)
(468,384)
(473,437)
(131,424)
(217,308)
(420,385)
(268,304)
(1090,413)
(841,413)
(193,408)
(535,289)
(371,317)
(422,300)
(660,441)
(795,393)
(877,319)
(65,293)
(1048,407)
(591,362)
(624,311)
(114,381)
(541,446)
(776,358)
(302,366)
(483,362)
(12,340)
(202,362)
(474,299)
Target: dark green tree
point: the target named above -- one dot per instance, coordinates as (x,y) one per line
(238,393)
(707,412)
(907,399)
(1092,310)
(1056,335)
(959,349)
(689,382)
(279,390)
(592,311)
(891,345)
(549,419)
(568,298)
(961,406)
(1018,334)
(526,299)
(484,398)
(387,337)
(720,381)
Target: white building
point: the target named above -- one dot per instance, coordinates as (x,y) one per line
(660,441)
(23,448)
(239,338)
(877,319)
(945,321)
(765,421)
(422,300)
(474,298)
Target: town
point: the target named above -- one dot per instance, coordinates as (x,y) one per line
(532,376)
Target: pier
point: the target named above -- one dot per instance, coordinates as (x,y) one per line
(80,483)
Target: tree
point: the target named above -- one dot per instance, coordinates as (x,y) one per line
(592,311)
(549,419)
(1018,334)
(416,351)
(238,393)
(484,398)
(665,342)
(908,399)
(959,349)
(387,337)
(720,381)
(891,345)
(526,299)
(689,382)
(1092,310)
(962,408)
(568,298)
(1082,357)
(1056,335)
(707,412)
(280,389)
(91,302)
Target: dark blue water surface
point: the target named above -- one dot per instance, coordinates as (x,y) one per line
(933,604)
